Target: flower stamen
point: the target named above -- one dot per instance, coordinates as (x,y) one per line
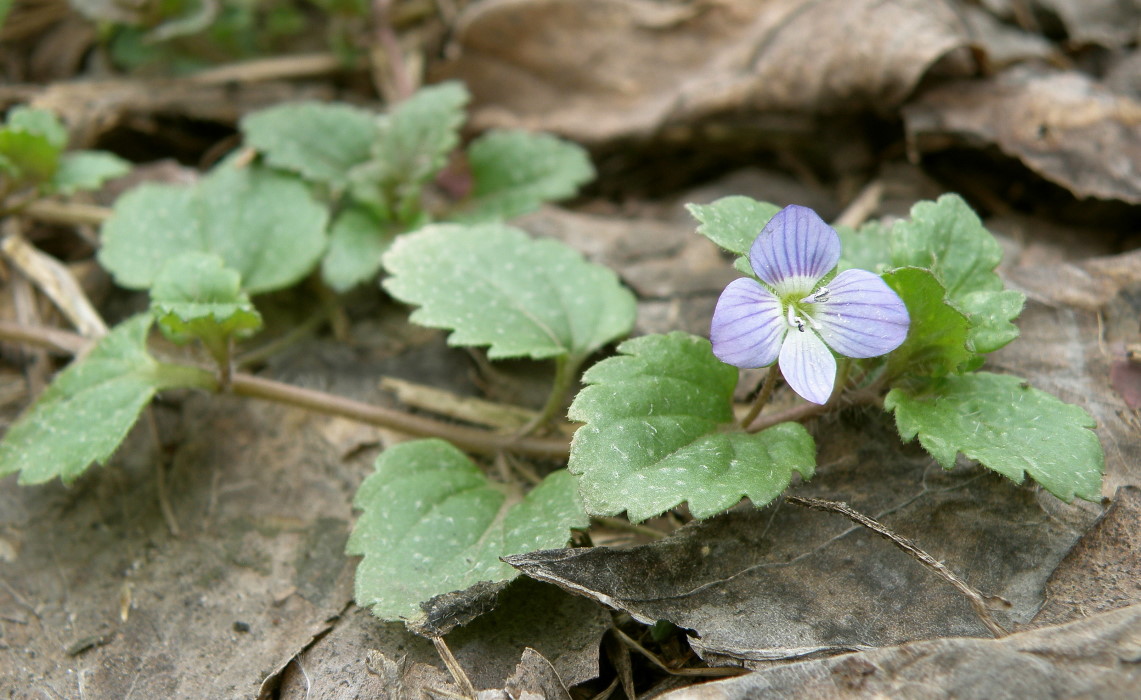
(816,297)
(795,321)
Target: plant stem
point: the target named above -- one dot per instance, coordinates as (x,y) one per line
(869,396)
(566,368)
(471,439)
(763,397)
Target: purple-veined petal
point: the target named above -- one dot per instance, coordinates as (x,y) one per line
(863,317)
(794,250)
(808,366)
(747,326)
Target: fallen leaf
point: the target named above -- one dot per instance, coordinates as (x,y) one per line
(784,582)
(1094,658)
(1103,570)
(666,63)
(1109,23)
(1065,127)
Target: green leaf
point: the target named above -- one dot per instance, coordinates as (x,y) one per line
(866,248)
(494,285)
(27,158)
(87,170)
(196,296)
(991,314)
(733,222)
(412,146)
(357,241)
(1007,426)
(659,430)
(948,238)
(516,171)
(432,523)
(320,141)
(936,342)
(38,121)
(90,407)
(263,224)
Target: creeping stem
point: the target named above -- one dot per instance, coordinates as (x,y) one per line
(241,384)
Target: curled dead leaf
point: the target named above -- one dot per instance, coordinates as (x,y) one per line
(599,69)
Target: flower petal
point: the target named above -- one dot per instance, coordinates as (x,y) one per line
(863,317)
(794,250)
(808,366)
(747,326)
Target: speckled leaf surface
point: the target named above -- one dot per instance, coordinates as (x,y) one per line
(1008,426)
(493,285)
(516,171)
(263,224)
(659,431)
(432,523)
(89,408)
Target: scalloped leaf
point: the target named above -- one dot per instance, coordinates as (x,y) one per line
(320,141)
(196,296)
(412,146)
(494,285)
(1006,425)
(432,523)
(516,171)
(733,222)
(947,237)
(90,407)
(263,224)
(659,430)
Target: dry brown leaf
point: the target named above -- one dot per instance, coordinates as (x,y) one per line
(1063,126)
(600,69)
(1093,658)
(1110,23)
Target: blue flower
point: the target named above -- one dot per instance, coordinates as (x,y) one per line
(793,318)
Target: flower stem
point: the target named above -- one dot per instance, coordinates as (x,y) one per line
(763,397)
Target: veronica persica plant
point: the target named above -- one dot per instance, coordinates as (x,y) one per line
(794,314)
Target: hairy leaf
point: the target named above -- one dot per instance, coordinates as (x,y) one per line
(432,523)
(947,238)
(659,430)
(494,285)
(1007,426)
(516,171)
(196,296)
(320,141)
(357,241)
(263,224)
(90,407)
